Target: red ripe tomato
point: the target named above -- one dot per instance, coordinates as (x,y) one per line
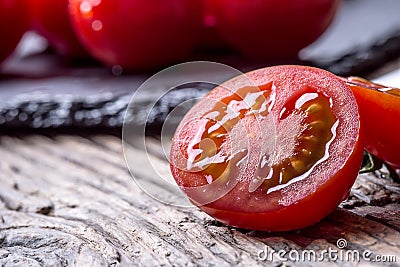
(275,149)
(272,29)
(380,113)
(51,20)
(136,34)
(13,24)
(208,37)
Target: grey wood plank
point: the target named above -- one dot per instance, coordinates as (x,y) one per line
(69,200)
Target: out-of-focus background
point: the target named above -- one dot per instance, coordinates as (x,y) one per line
(79,61)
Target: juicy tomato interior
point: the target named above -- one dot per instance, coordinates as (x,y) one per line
(249,154)
(380,111)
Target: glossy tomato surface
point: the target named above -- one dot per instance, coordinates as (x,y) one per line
(272,29)
(50,19)
(275,149)
(136,34)
(13,24)
(380,113)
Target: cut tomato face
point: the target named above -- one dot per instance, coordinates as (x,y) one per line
(380,112)
(274,149)
(268,28)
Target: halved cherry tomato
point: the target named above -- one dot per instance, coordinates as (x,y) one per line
(13,24)
(50,19)
(275,149)
(136,34)
(271,28)
(380,113)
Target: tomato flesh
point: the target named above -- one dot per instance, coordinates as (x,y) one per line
(380,111)
(315,124)
(262,147)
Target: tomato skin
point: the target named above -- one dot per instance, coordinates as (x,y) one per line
(272,29)
(296,205)
(50,19)
(209,37)
(136,34)
(13,24)
(379,113)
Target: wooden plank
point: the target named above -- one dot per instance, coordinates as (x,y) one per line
(69,200)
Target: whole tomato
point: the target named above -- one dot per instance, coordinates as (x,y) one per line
(13,24)
(274,149)
(51,20)
(137,34)
(272,29)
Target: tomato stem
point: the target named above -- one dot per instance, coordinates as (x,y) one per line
(371,163)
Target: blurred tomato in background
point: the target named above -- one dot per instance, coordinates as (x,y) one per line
(13,24)
(137,34)
(140,35)
(50,19)
(271,29)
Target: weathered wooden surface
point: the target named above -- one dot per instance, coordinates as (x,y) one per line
(69,200)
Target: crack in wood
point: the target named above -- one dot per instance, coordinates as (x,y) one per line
(90,212)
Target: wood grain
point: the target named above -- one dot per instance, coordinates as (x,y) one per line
(70,200)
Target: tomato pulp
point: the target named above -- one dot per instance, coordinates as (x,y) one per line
(136,34)
(380,112)
(13,24)
(274,149)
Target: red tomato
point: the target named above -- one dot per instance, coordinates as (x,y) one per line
(276,149)
(13,24)
(136,34)
(380,113)
(272,28)
(51,20)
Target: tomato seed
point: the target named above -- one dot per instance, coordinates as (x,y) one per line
(313,108)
